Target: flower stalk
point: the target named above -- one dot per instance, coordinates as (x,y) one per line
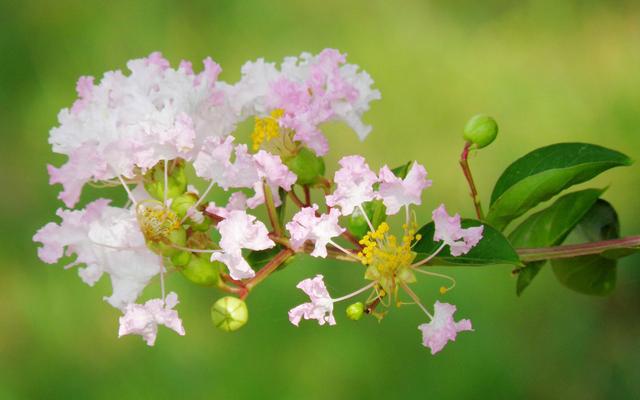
(466,169)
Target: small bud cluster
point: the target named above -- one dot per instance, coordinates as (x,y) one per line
(142,131)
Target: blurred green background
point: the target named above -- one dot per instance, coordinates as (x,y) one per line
(549,71)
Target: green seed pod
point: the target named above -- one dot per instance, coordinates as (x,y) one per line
(307,166)
(154,181)
(357,223)
(229,313)
(481,130)
(201,271)
(181,259)
(355,311)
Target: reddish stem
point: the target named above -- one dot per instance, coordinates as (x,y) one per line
(464,163)
(268,269)
(307,195)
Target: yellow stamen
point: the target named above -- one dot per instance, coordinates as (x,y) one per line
(266,128)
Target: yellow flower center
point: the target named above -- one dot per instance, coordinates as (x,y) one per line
(266,128)
(156,221)
(385,252)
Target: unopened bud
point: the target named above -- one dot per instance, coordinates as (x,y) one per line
(307,166)
(229,313)
(481,130)
(181,259)
(201,271)
(176,179)
(355,311)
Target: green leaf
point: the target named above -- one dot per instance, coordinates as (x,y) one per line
(596,274)
(527,274)
(545,172)
(402,171)
(259,258)
(550,227)
(493,249)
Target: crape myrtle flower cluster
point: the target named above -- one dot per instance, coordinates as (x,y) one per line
(156,130)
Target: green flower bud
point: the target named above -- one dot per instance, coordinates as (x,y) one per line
(355,311)
(229,313)
(181,204)
(481,130)
(154,181)
(181,259)
(201,271)
(357,223)
(307,166)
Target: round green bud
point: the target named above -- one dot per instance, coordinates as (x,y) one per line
(201,271)
(355,311)
(481,130)
(307,166)
(357,223)
(154,181)
(229,313)
(181,259)
(181,204)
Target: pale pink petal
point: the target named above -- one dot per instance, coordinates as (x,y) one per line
(397,193)
(306,226)
(238,231)
(449,230)
(321,306)
(442,328)
(144,319)
(354,182)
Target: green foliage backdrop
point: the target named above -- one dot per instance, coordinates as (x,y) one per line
(548,71)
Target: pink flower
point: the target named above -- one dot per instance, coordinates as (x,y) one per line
(442,327)
(144,319)
(449,230)
(240,231)
(237,201)
(128,123)
(397,193)
(106,240)
(321,306)
(311,90)
(277,175)
(355,184)
(305,225)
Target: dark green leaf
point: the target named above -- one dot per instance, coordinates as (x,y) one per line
(550,227)
(545,172)
(593,275)
(526,275)
(402,171)
(259,258)
(493,249)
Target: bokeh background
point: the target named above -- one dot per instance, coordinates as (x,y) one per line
(548,70)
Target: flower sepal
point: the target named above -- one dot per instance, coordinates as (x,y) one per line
(176,181)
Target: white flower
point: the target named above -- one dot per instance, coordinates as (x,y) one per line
(107,240)
(155,113)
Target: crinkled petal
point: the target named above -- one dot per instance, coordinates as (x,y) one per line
(442,328)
